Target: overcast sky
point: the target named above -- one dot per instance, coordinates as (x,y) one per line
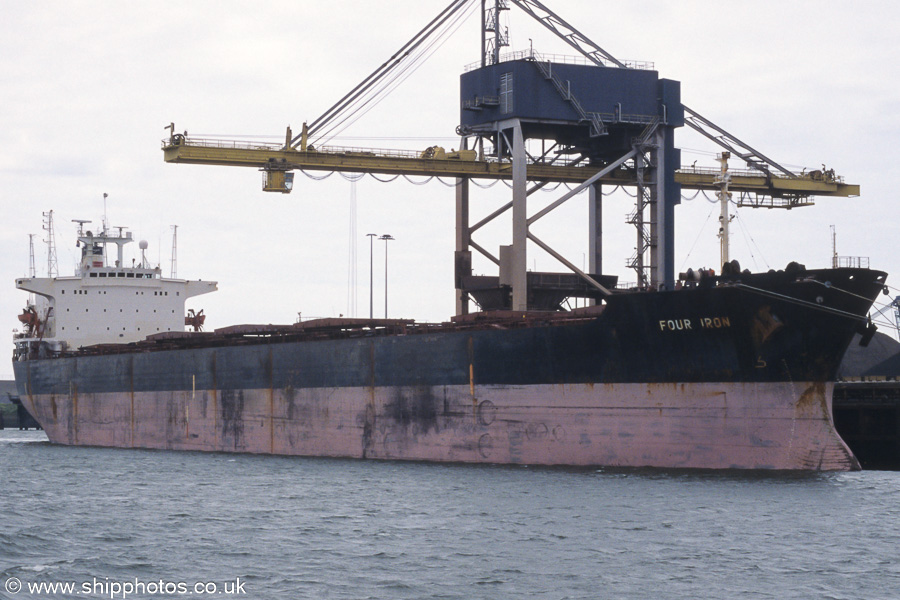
(87,88)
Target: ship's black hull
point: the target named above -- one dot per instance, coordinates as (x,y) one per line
(718,376)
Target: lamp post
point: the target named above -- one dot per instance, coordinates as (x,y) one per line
(387,238)
(371,289)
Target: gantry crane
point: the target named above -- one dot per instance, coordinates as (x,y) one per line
(593,142)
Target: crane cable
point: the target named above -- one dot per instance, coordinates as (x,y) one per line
(746,233)
(326,120)
(386,67)
(391,84)
(697,239)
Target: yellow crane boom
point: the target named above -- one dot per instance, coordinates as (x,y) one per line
(780,190)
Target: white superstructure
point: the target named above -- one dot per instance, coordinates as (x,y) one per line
(103,303)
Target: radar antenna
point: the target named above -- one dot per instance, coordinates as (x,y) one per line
(81,224)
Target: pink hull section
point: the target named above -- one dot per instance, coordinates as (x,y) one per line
(702,425)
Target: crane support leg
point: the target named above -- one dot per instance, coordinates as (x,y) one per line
(520,220)
(665,195)
(595,229)
(657,195)
(463,266)
(513,258)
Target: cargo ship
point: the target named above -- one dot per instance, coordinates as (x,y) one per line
(732,371)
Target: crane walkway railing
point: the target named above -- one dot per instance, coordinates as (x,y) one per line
(566,59)
(804,175)
(276,147)
(351,151)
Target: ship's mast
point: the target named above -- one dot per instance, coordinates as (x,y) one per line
(174,266)
(105,221)
(724,196)
(834,256)
(52,270)
(32,271)
(105,230)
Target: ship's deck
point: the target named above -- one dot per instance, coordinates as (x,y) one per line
(341,328)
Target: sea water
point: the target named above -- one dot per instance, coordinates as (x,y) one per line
(114,523)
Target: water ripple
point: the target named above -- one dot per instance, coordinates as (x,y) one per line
(330,528)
